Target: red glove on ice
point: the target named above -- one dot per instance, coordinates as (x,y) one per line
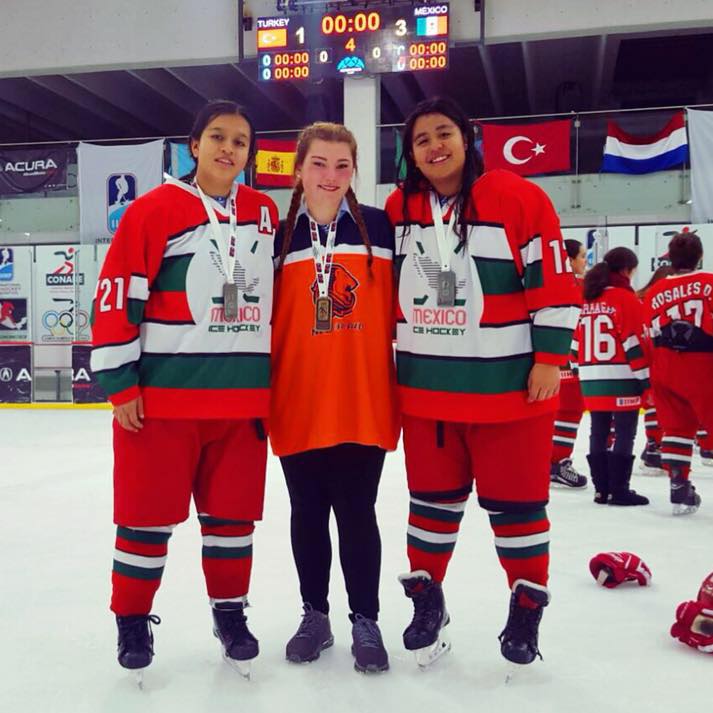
(610,569)
(694,626)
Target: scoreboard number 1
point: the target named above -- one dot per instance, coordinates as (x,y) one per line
(300,34)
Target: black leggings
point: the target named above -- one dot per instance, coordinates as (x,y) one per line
(625,423)
(344,478)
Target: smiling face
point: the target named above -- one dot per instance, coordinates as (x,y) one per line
(579,263)
(326,175)
(221,153)
(438,151)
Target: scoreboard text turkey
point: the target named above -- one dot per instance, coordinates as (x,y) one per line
(347,43)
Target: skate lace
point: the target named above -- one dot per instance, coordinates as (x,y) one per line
(233,623)
(425,614)
(366,633)
(522,625)
(133,629)
(568,472)
(310,624)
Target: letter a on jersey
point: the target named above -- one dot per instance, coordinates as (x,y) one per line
(265,222)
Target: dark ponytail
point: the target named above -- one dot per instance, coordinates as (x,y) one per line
(599,277)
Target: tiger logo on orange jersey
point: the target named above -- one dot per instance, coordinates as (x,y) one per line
(342,290)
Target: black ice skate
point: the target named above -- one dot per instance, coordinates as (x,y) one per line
(238,644)
(424,635)
(684,498)
(367,646)
(564,473)
(135,645)
(312,637)
(518,640)
(651,459)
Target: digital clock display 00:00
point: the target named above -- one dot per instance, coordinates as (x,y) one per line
(341,24)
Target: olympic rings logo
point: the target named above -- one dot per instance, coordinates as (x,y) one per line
(60,324)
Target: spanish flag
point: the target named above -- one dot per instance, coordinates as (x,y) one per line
(275,162)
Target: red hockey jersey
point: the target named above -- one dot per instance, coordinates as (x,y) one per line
(679,312)
(158,325)
(516,304)
(608,353)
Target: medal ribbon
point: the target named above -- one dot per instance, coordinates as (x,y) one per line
(227,249)
(445,239)
(322,255)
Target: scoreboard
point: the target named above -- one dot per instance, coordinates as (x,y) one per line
(410,38)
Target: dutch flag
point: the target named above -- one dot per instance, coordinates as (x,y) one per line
(625,153)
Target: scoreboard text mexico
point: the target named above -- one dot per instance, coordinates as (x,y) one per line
(367,41)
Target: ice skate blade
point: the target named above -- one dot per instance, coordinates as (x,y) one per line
(680,509)
(244,668)
(138,675)
(707,461)
(428,655)
(651,471)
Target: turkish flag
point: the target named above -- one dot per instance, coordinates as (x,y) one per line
(527,149)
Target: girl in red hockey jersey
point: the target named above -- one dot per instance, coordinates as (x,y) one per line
(608,354)
(181,336)
(334,414)
(571,406)
(679,312)
(486,309)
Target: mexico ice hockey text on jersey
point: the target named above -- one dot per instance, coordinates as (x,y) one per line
(516,304)
(608,352)
(159,328)
(679,312)
(337,386)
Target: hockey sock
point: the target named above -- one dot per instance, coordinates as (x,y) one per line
(139,559)
(651,424)
(566,425)
(676,453)
(432,533)
(227,558)
(522,541)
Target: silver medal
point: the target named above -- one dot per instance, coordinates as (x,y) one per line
(230,300)
(446,288)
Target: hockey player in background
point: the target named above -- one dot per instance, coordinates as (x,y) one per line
(181,336)
(486,309)
(679,313)
(571,406)
(608,354)
(334,412)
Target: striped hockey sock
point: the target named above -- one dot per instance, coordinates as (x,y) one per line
(565,436)
(651,424)
(227,558)
(139,559)
(676,453)
(522,541)
(432,533)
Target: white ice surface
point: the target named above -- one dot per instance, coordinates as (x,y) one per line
(604,650)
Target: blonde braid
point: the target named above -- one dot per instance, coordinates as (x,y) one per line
(290,222)
(353,204)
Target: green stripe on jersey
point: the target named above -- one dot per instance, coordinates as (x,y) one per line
(227,553)
(137,572)
(495,376)
(498,277)
(210,521)
(432,547)
(635,353)
(533,275)
(438,514)
(135,310)
(552,340)
(118,379)
(172,275)
(611,387)
(205,371)
(521,553)
(518,518)
(144,536)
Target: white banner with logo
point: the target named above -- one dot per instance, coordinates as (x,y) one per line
(654,240)
(700,130)
(110,179)
(15,293)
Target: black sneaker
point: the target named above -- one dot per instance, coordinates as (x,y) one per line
(136,640)
(564,473)
(367,646)
(518,640)
(231,629)
(429,609)
(312,637)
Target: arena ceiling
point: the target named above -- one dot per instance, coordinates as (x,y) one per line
(603,72)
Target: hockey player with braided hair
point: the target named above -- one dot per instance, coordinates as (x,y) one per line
(486,309)
(679,313)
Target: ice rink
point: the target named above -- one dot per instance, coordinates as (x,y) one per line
(604,650)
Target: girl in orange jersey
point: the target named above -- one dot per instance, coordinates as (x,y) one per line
(186,367)
(486,308)
(333,414)
(608,352)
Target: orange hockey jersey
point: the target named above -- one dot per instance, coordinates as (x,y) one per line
(158,325)
(337,386)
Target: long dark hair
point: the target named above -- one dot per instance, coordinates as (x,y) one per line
(615,261)
(415,181)
(218,107)
(685,251)
(333,133)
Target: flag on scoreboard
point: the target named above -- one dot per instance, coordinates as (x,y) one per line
(626,153)
(272,38)
(275,162)
(527,149)
(433,26)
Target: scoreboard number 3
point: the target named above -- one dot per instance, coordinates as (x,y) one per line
(400,27)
